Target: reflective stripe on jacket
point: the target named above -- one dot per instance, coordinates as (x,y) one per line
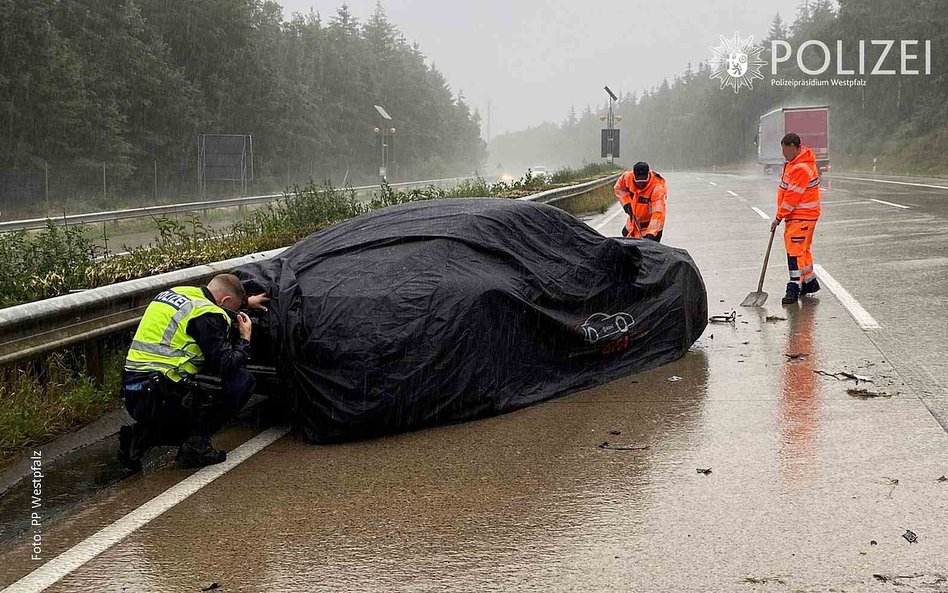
(798,197)
(645,207)
(162,342)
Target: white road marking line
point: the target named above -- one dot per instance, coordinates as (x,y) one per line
(862,317)
(760,212)
(713,183)
(844,202)
(733,194)
(890,204)
(60,566)
(599,226)
(892,182)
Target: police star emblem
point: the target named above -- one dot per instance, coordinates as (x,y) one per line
(736,62)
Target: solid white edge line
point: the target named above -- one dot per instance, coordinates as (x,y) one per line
(892,182)
(60,566)
(760,212)
(733,194)
(890,204)
(858,313)
(599,226)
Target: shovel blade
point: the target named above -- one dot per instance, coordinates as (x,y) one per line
(755,299)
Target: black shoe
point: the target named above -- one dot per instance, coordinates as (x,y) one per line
(810,286)
(198,452)
(793,293)
(131,448)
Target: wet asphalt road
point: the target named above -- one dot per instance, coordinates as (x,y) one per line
(810,489)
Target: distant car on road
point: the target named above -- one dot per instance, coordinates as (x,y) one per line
(539,171)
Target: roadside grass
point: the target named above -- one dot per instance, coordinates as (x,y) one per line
(37,404)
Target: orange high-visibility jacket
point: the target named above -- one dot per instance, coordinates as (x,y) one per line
(645,207)
(798,197)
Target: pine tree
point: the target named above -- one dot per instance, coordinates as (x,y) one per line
(777,29)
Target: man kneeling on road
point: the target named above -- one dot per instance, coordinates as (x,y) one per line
(642,193)
(185,331)
(798,203)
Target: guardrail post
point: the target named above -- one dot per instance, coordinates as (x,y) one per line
(95,369)
(39,367)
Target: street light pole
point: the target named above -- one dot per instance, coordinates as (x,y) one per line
(384,130)
(611,124)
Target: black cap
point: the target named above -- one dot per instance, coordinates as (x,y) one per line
(640,170)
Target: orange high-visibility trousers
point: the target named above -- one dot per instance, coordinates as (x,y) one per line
(798,239)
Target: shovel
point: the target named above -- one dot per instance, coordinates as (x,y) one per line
(757,299)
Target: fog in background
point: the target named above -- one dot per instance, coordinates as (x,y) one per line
(108,108)
(533,60)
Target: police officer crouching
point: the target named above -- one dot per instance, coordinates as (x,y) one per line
(184,374)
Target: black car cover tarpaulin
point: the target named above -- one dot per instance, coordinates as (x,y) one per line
(446,310)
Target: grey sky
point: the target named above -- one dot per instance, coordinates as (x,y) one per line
(534,59)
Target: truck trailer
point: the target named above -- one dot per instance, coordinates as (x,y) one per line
(811,123)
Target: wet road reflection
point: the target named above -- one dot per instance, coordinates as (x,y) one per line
(800,395)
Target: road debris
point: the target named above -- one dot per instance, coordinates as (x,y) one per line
(910,537)
(211,587)
(727,318)
(674,379)
(704,471)
(844,376)
(866,394)
(775,318)
(873,543)
(891,482)
(615,432)
(942,479)
(895,578)
(796,356)
(606,445)
(763,580)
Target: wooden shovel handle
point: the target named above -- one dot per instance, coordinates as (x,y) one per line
(760,285)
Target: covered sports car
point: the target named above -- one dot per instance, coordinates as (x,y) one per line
(447,310)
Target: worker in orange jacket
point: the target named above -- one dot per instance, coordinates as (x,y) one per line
(642,193)
(798,206)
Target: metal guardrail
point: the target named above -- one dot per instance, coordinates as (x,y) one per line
(32,329)
(551,196)
(166,209)
(35,328)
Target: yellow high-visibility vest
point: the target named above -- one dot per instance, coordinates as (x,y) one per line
(162,342)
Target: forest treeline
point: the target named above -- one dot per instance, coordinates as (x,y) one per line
(689,121)
(130,84)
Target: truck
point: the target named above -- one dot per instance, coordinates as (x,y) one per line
(811,123)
